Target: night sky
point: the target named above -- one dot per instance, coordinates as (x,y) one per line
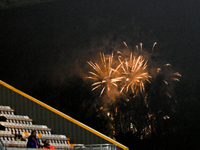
(52,41)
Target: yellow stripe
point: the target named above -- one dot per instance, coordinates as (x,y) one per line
(64,115)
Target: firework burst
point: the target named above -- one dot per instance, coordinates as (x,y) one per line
(135,74)
(129,74)
(105,76)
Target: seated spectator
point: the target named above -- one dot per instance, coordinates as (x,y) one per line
(18,137)
(47,145)
(33,142)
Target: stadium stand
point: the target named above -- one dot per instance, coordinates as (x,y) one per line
(15,129)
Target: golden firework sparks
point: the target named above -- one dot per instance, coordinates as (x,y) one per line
(129,73)
(165,82)
(167,64)
(177,74)
(104,76)
(154,46)
(176,79)
(158,70)
(134,73)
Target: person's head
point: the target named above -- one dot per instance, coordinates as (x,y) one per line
(18,137)
(46,142)
(33,133)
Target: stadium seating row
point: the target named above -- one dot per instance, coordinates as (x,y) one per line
(6,110)
(15,130)
(17,119)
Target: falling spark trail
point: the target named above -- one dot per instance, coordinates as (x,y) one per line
(165,82)
(154,46)
(126,45)
(141,46)
(177,74)
(175,79)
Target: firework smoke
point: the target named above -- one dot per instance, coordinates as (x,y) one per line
(142,82)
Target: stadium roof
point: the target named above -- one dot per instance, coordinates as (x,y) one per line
(7,4)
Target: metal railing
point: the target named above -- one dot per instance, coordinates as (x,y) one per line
(87,147)
(102,147)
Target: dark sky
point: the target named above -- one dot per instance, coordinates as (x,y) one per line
(54,40)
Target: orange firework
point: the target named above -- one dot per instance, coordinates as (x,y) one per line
(128,75)
(135,74)
(105,76)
